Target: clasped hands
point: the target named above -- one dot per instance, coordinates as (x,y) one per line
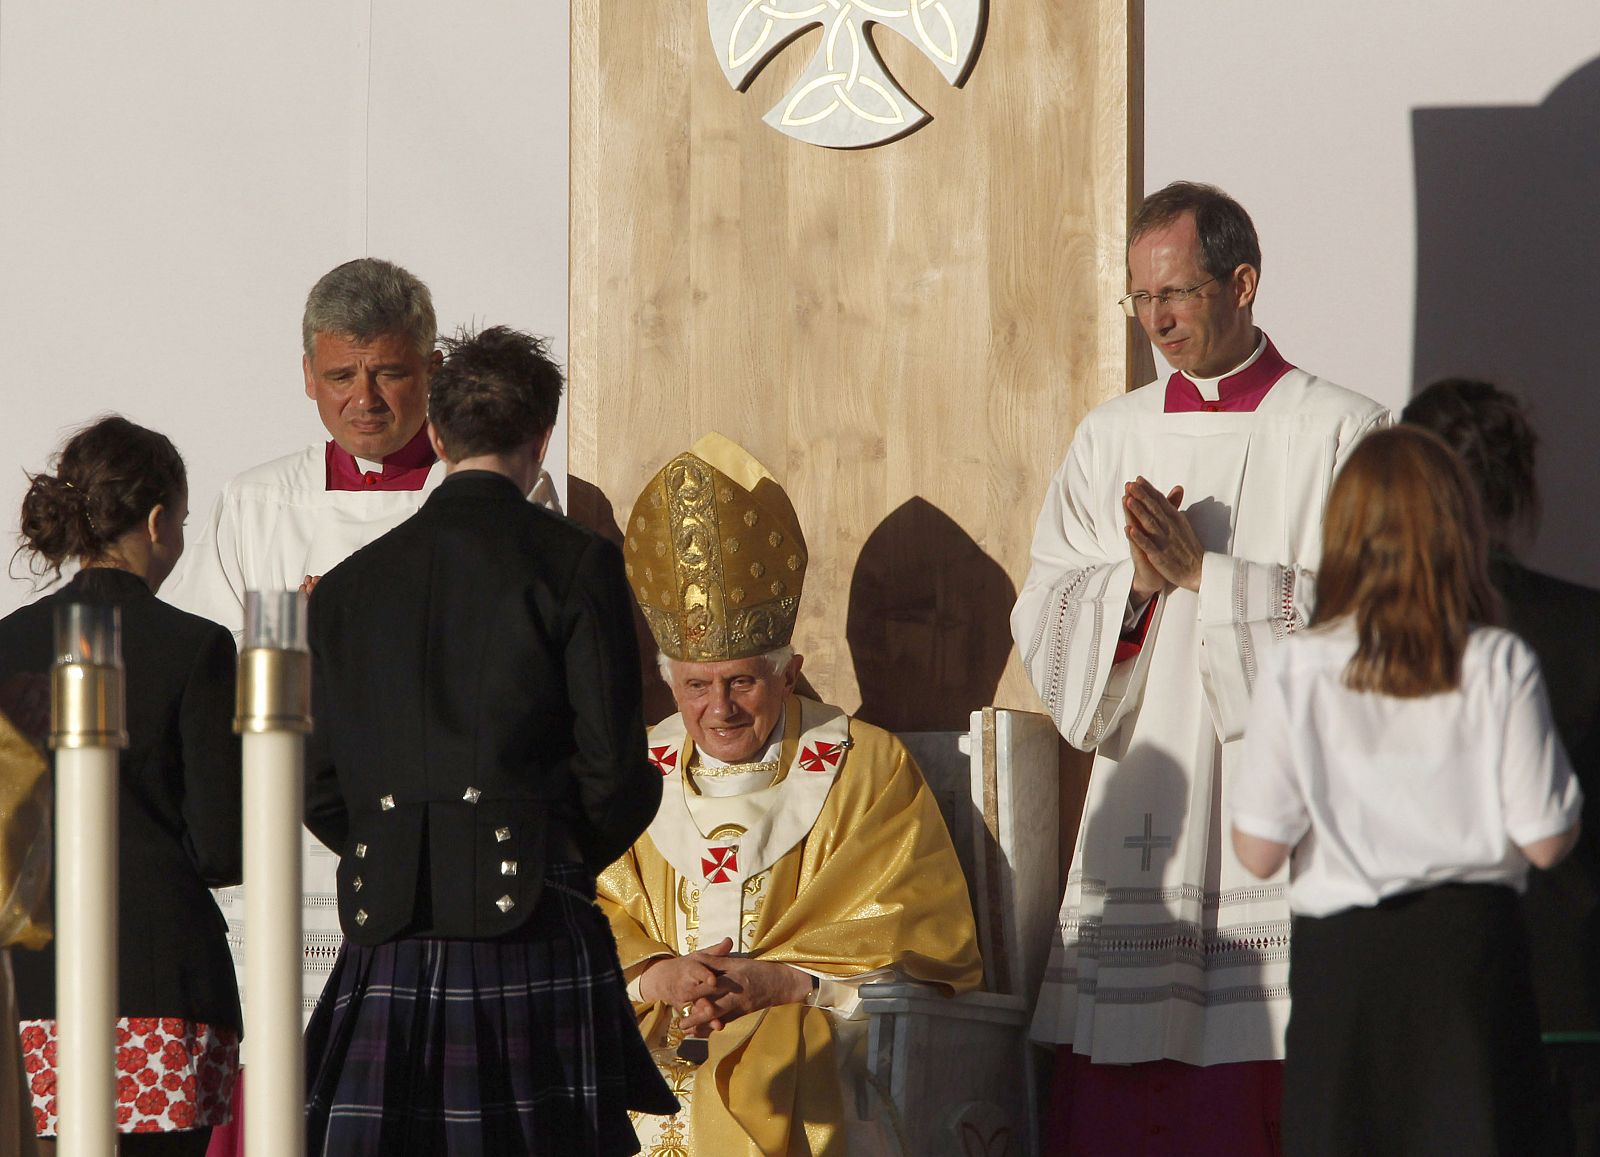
(1166,551)
(712,986)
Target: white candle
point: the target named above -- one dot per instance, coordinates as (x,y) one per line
(274,763)
(86,950)
(274,716)
(86,729)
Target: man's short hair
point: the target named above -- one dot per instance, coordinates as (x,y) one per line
(366,299)
(777,659)
(496,391)
(1227,235)
(1489,429)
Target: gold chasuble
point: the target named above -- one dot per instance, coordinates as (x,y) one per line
(840,866)
(24,842)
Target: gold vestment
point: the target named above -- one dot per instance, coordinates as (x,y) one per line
(875,883)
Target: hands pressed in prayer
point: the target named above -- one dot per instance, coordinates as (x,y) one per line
(740,985)
(1166,551)
(1147,580)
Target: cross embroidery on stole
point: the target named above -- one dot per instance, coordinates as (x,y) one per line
(720,863)
(822,756)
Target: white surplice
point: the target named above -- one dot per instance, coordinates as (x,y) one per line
(1167,947)
(277,523)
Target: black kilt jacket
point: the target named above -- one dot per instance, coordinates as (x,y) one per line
(475,689)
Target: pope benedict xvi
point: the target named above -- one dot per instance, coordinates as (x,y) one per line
(797,854)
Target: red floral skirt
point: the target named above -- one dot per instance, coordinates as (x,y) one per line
(172,1074)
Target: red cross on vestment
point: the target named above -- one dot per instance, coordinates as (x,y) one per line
(665,759)
(821,757)
(720,863)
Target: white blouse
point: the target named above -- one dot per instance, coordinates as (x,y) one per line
(1382,795)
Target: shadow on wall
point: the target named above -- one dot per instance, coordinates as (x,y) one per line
(1508,255)
(928,626)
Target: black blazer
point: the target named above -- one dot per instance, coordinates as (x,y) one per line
(475,689)
(1561,622)
(179,804)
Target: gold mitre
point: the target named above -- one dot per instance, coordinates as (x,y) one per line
(715,555)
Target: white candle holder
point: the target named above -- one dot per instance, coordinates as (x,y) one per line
(274,717)
(87,730)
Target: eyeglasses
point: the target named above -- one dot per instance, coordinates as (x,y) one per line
(1134,302)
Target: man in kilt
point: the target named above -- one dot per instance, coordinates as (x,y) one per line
(478,757)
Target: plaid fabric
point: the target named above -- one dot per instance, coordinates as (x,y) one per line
(523,1045)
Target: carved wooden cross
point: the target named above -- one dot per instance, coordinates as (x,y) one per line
(846,99)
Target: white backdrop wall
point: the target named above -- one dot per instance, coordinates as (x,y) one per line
(175,175)
(1425,180)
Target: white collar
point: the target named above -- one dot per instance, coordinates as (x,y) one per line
(1211,388)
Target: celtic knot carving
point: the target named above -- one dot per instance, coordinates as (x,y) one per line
(846,98)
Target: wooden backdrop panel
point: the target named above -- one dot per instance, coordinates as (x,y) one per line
(906,335)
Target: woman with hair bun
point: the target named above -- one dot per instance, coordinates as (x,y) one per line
(115,505)
(1402,751)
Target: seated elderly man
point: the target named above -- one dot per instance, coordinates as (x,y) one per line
(797,854)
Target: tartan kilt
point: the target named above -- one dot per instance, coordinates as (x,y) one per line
(522,1045)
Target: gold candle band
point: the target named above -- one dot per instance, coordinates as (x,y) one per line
(86,706)
(274,691)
